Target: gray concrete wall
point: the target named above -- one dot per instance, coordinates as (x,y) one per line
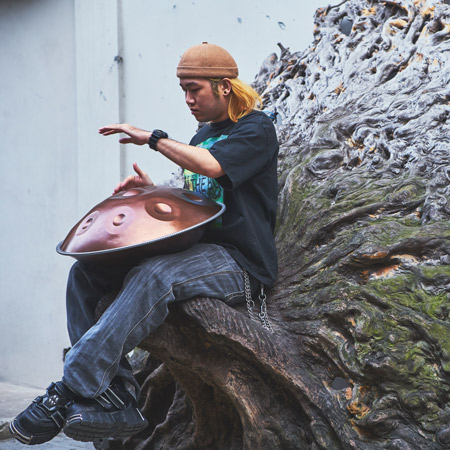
(38,172)
(67,67)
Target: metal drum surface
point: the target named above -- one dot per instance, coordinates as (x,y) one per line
(138,223)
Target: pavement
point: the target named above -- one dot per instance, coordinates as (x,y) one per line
(13,400)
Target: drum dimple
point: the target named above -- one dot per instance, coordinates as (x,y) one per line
(87,223)
(163,208)
(119,219)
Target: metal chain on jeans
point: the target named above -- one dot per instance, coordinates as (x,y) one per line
(248,296)
(263,316)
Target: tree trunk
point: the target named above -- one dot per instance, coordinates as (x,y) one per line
(360,354)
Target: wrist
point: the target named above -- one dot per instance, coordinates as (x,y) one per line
(155,136)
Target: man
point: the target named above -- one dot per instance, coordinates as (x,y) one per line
(233,159)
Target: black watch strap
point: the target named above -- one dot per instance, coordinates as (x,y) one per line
(155,137)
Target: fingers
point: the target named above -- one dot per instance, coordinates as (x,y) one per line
(133,181)
(116,128)
(125,184)
(139,171)
(111,129)
(143,176)
(118,188)
(105,130)
(135,135)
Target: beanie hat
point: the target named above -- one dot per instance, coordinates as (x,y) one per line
(207,61)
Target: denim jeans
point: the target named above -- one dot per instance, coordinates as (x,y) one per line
(99,348)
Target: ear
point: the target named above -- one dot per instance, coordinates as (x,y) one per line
(225,87)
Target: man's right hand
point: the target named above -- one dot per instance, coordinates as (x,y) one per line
(133,181)
(135,135)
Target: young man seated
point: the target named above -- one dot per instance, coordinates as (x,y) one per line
(232,159)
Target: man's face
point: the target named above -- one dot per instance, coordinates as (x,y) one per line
(205,106)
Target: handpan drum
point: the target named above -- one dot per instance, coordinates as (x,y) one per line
(138,223)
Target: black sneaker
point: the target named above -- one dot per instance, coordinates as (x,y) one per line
(44,418)
(112,414)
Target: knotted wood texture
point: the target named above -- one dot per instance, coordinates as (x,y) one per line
(360,357)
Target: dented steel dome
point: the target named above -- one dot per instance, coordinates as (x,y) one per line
(138,223)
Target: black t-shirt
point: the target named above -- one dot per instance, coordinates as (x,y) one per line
(247,151)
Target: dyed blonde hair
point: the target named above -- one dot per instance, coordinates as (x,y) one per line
(243,98)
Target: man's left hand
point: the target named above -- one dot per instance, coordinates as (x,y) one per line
(133,181)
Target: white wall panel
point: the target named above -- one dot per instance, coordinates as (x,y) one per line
(38,173)
(97,99)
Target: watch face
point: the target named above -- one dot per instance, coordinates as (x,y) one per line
(161,134)
(155,137)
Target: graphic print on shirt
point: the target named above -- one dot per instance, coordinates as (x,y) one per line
(203,185)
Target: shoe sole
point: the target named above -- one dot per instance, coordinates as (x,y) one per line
(90,426)
(29,439)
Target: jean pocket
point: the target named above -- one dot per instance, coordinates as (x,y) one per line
(234,299)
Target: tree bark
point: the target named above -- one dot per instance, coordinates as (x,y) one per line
(360,354)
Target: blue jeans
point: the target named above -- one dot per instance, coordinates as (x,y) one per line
(99,348)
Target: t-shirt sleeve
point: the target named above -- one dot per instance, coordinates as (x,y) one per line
(245,152)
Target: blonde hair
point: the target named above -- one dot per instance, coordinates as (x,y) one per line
(243,98)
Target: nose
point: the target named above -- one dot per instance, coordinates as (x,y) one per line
(189,98)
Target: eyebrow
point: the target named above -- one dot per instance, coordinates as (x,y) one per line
(190,84)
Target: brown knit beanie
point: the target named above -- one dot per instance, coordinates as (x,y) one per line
(207,61)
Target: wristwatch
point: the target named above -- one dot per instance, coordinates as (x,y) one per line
(155,137)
